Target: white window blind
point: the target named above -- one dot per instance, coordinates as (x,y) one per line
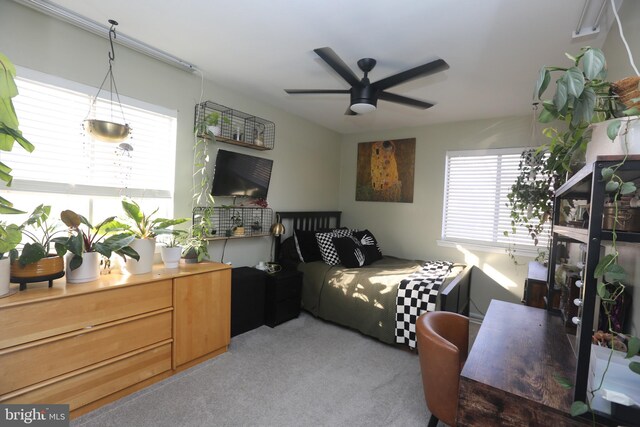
(475,199)
(68,162)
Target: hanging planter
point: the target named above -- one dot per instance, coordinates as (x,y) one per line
(108,130)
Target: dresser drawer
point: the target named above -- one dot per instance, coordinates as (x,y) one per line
(92,384)
(69,352)
(33,321)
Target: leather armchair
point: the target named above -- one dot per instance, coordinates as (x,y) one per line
(443,343)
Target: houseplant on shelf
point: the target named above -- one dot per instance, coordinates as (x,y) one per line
(9,131)
(212,124)
(237,224)
(582,97)
(10,237)
(83,247)
(35,259)
(144,229)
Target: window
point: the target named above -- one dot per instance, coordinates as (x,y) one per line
(69,170)
(475,199)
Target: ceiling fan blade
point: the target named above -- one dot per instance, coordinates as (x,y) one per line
(419,71)
(399,99)
(334,61)
(350,112)
(300,91)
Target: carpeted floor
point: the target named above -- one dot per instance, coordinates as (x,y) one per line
(303,372)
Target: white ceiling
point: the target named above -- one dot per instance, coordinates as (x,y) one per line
(256,47)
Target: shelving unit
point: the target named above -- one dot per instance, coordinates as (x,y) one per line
(236,127)
(587,185)
(257,221)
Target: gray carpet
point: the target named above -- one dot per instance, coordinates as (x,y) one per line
(303,372)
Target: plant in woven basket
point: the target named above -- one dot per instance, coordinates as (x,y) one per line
(628,92)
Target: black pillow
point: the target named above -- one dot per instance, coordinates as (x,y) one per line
(307,245)
(288,251)
(369,245)
(349,251)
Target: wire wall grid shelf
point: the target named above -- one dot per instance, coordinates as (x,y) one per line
(227,222)
(234,127)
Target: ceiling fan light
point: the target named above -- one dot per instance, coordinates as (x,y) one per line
(362,107)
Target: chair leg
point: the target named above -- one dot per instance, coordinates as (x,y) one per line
(433,421)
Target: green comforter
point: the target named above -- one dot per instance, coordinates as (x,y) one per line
(360,298)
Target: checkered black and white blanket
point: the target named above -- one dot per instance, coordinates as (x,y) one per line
(416,294)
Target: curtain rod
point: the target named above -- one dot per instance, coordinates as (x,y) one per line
(66,15)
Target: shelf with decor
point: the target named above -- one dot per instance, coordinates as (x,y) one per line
(232,126)
(580,238)
(234,222)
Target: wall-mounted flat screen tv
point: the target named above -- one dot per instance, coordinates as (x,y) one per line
(241,175)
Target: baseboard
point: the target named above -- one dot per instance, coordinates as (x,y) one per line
(476,317)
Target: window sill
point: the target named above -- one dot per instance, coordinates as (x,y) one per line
(480,247)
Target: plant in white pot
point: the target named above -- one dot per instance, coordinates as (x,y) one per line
(171,252)
(10,237)
(83,247)
(144,228)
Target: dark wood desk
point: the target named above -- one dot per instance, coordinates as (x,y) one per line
(508,377)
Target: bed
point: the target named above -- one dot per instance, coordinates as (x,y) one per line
(366,298)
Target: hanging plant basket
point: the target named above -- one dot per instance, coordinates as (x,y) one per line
(106,131)
(627,90)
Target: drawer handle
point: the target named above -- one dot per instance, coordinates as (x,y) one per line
(579,283)
(577,302)
(575,320)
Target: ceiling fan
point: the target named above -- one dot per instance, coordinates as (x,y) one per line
(364,94)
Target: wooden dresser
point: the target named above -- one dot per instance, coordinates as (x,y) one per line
(91,343)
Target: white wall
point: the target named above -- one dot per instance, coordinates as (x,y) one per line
(411,229)
(306,163)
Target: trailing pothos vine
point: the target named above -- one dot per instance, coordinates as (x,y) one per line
(531,197)
(195,241)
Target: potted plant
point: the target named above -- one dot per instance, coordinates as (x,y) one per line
(9,131)
(237,224)
(145,228)
(10,237)
(171,252)
(212,121)
(194,248)
(35,259)
(83,247)
(582,97)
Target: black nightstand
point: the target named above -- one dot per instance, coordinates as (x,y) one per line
(247,299)
(282,300)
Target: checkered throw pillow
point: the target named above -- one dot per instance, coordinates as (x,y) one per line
(327,248)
